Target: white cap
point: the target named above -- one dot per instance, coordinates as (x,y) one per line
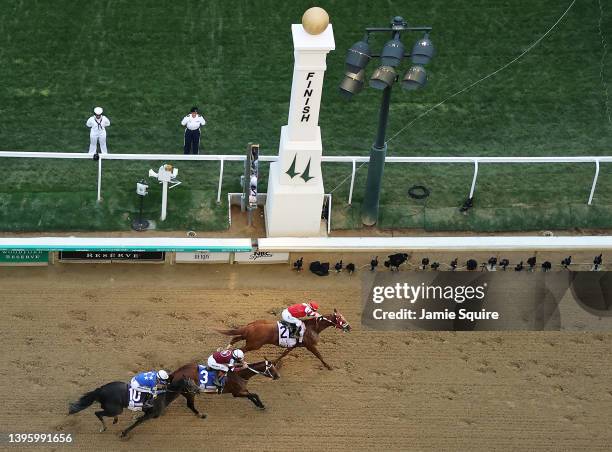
(98,110)
(162,374)
(238,354)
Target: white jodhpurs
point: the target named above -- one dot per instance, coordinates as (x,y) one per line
(94,137)
(287,317)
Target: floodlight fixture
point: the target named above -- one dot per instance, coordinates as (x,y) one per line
(415,78)
(392,52)
(352,83)
(358,56)
(423,50)
(383,77)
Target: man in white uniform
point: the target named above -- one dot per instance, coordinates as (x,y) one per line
(97,124)
(192,122)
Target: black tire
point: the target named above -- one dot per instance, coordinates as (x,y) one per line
(418,192)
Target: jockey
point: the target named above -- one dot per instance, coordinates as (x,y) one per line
(224,361)
(297,313)
(149,383)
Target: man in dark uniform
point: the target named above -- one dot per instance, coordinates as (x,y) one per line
(192,122)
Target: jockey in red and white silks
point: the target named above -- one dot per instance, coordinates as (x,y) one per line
(225,360)
(297,313)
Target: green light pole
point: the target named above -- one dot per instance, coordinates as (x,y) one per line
(376,165)
(383,79)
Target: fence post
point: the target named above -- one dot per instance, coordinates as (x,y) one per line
(99,178)
(229,209)
(474,179)
(352,184)
(329,214)
(594,182)
(220,182)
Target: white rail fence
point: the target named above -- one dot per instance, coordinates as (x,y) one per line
(353,160)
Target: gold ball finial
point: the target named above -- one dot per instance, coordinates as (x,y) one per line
(315,20)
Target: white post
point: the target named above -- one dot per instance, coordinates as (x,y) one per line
(352,184)
(594,182)
(220,182)
(100,179)
(329,213)
(164,200)
(474,179)
(295,182)
(229,209)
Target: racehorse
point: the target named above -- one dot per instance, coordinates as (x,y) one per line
(262,332)
(114,397)
(235,382)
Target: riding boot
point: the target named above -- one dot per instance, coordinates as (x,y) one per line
(218,381)
(148,403)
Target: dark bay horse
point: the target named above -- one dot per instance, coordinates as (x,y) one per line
(262,332)
(235,383)
(113,398)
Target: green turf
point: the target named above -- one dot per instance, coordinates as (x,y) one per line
(148,65)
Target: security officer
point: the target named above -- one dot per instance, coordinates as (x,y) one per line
(192,122)
(97,124)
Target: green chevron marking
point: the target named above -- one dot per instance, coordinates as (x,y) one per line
(291,171)
(306,174)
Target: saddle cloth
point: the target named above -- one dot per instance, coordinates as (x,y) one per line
(206,379)
(136,399)
(286,334)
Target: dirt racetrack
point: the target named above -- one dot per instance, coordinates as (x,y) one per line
(67,329)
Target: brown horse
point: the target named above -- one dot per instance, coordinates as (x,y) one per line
(235,384)
(262,332)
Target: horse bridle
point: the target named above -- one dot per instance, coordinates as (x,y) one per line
(336,324)
(322,317)
(265,373)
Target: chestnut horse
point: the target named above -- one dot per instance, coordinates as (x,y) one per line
(235,382)
(262,332)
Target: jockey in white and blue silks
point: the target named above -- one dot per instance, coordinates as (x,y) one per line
(148,382)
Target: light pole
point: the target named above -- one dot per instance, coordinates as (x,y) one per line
(383,79)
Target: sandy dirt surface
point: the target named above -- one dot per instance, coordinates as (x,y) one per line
(67,329)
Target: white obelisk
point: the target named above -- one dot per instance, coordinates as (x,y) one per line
(295,183)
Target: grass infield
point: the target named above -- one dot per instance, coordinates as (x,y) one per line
(147,64)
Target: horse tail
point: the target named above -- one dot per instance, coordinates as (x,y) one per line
(85,401)
(232,332)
